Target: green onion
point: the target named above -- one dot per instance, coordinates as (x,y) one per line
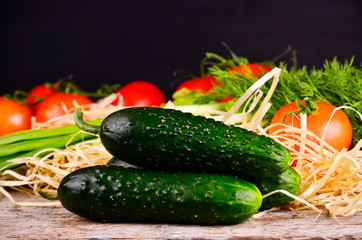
(30,142)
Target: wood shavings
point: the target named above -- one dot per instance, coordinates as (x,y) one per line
(44,174)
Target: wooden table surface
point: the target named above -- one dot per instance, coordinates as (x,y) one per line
(57,223)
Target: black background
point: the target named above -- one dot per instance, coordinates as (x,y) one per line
(121,41)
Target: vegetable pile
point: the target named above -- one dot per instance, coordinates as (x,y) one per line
(314,114)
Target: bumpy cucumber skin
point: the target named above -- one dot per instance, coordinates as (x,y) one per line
(117,194)
(288,180)
(170,140)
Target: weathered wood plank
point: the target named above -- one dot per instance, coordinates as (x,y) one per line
(57,223)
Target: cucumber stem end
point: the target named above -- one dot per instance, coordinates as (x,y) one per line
(81,124)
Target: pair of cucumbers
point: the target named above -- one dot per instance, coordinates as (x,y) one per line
(195,170)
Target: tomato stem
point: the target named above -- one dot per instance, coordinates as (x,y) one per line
(310,106)
(67,85)
(18,96)
(202,67)
(234,57)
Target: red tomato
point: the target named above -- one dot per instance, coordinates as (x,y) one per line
(251,69)
(51,107)
(140,94)
(227,99)
(203,84)
(339,131)
(40,91)
(14,116)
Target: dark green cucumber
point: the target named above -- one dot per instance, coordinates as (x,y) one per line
(171,140)
(117,194)
(288,180)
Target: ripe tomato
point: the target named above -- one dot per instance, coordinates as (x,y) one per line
(227,99)
(51,107)
(140,94)
(40,91)
(203,84)
(339,131)
(14,116)
(249,70)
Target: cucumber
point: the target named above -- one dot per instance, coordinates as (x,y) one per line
(288,180)
(117,194)
(171,140)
